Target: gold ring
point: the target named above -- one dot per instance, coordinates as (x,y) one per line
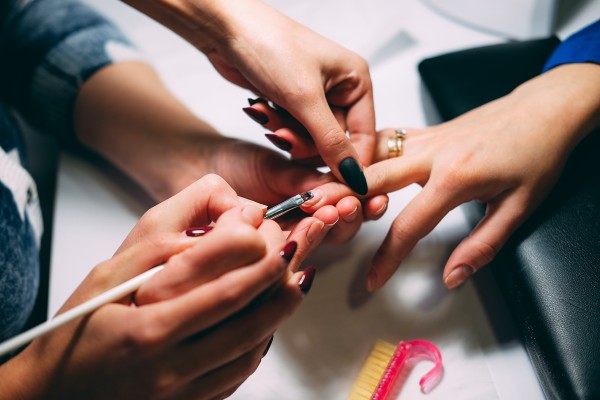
(395,144)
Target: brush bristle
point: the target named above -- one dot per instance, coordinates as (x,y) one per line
(372,371)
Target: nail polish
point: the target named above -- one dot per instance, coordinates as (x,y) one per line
(458,276)
(256,115)
(288,251)
(198,231)
(307,279)
(353,175)
(257,100)
(279,142)
(268,346)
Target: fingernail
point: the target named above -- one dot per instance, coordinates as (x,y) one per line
(256,115)
(314,231)
(352,216)
(380,212)
(317,195)
(257,100)
(252,212)
(288,251)
(458,276)
(279,142)
(372,280)
(198,231)
(307,279)
(268,346)
(353,175)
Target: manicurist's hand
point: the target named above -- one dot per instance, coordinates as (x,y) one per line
(256,47)
(172,339)
(125,113)
(507,154)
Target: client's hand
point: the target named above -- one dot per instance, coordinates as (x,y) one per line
(195,329)
(507,154)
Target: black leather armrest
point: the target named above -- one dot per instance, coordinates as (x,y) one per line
(549,271)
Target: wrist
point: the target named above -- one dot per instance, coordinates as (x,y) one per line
(206,24)
(563,98)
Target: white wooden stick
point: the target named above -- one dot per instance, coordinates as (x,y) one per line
(110,295)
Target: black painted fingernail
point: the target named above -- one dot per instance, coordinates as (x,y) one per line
(279,142)
(268,346)
(198,231)
(257,100)
(288,251)
(307,279)
(256,115)
(353,175)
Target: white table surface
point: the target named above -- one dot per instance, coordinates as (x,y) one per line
(318,352)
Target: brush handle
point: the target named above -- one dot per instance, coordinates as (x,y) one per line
(405,351)
(94,303)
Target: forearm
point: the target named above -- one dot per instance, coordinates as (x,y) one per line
(125,114)
(200,22)
(567,99)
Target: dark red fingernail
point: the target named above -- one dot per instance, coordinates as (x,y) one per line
(257,100)
(198,231)
(256,115)
(288,251)
(307,279)
(279,142)
(268,346)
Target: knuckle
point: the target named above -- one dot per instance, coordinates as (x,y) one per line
(400,238)
(151,219)
(484,252)
(245,237)
(145,336)
(274,268)
(457,175)
(212,182)
(166,382)
(159,241)
(230,298)
(249,364)
(377,177)
(333,138)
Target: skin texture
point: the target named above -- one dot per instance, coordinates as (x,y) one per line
(507,154)
(258,48)
(125,114)
(199,327)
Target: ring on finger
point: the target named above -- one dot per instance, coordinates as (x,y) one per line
(396,143)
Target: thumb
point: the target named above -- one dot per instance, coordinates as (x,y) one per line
(332,143)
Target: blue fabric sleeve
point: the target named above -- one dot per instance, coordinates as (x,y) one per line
(48,49)
(583,46)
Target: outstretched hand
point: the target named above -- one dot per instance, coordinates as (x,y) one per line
(507,154)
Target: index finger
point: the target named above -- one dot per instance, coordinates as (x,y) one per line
(383,177)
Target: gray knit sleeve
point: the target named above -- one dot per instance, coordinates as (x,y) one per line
(48,49)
